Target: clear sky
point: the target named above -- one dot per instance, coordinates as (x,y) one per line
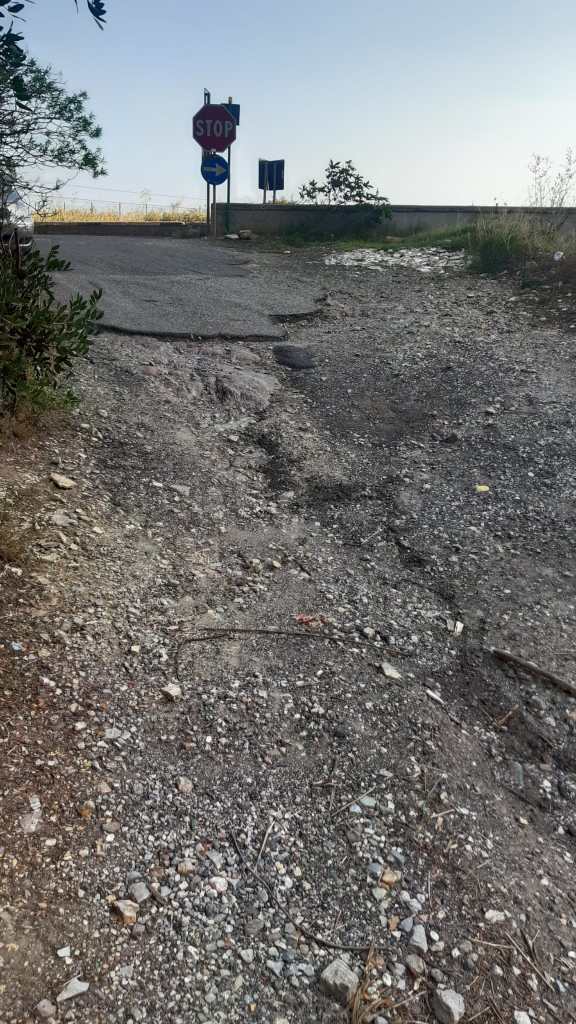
(438,102)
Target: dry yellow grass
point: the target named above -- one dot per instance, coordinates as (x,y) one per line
(79,215)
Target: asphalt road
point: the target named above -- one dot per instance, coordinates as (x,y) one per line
(166,286)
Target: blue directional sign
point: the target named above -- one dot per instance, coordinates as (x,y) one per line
(214,169)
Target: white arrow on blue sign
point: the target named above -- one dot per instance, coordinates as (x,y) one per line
(214,169)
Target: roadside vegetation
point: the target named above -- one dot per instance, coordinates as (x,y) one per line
(41,125)
(40,337)
(86,215)
(343,185)
(535,248)
(532,245)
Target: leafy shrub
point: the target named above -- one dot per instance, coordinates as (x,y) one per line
(39,336)
(343,185)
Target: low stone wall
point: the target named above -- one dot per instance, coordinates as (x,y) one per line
(120,229)
(282,218)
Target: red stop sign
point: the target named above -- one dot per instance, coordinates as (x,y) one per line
(213,127)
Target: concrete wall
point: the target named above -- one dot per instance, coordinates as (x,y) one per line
(279,219)
(121,229)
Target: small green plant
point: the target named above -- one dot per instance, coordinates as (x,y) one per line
(39,336)
(343,185)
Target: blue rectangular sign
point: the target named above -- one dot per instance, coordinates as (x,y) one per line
(271,174)
(234,109)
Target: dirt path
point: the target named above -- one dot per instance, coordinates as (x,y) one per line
(382,782)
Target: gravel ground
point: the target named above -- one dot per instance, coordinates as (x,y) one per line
(259,760)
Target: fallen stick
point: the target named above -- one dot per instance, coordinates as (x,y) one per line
(211,633)
(530,960)
(307,934)
(355,799)
(264,841)
(535,670)
(505,718)
(221,632)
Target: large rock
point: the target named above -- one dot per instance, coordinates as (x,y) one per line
(418,941)
(448,1006)
(63,482)
(74,988)
(339,982)
(45,1009)
(415,964)
(127,910)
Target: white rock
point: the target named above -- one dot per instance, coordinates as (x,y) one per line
(172,691)
(139,892)
(339,982)
(521,1017)
(72,989)
(494,916)
(45,1009)
(418,940)
(60,518)
(63,952)
(415,964)
(219,884)
(390,671)
(448,1006)
(185,785)
(63,482)
(127,910)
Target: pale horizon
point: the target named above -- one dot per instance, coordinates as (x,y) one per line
(436,108)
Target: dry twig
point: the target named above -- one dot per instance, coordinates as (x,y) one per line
(529,960)
(264,841)
(535,670)
(354,800)
(301,928)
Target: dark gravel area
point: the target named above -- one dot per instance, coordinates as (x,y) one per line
(251,720)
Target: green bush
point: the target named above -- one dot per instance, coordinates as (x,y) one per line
(39,336)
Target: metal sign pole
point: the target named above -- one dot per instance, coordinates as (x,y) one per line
(228,185)
(214,218)
(207,100)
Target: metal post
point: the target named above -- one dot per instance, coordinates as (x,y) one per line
(204,153)
(274,196)
(214,218)
(264,197)
(230,100)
